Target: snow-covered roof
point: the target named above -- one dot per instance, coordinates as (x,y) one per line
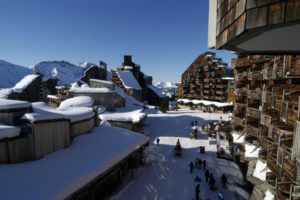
(102,81)
(205,102)
(8,131)
(42,111)
(133,116)
(156,90)
(82,101)
(251,151)
(4,93)
(261,170)
(86,64)
(238,138)
(90,90)
(12,104)
(128,80)
(24,83)
(128,67)
(67,170)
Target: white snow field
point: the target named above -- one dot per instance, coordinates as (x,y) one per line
(165,176)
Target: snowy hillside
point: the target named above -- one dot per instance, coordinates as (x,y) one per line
(165,84)
(10,74)
(66,72)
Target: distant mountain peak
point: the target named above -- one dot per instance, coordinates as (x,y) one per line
(165,84)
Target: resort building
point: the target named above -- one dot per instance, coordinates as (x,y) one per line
(267,81)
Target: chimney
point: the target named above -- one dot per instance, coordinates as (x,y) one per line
(103,70)
(127,60)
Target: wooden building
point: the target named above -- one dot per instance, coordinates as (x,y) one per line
(266,111)
(12,110)
(204,79)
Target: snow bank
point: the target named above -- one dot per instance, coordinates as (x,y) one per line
(238,138)
(65,171)
(133,116)
(261,170)
(42,111)
(205,102)
(251,151)
(82,101)
(90,90)
(25,82)
(269,195)
(8,131)
(13,104)
(128,80)
(4,93)
(156,91)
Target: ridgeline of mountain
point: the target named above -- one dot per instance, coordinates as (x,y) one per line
(165,84)
(10,74)
(65,72)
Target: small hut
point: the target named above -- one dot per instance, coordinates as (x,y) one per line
(47,132)
(13,145)
(12,110)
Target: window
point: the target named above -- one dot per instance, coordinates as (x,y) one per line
(240,8)
(292,10)
(257,17)
(276,13)
(280,156)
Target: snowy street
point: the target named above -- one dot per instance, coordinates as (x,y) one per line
(166,176)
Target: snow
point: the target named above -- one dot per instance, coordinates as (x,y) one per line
(261,170)
(128,80)
(67,73)
(269,195)
(42,111)
(59,174)
(165,84)
(133,116)
(24,83)
(82,101)
(8,131)
(10,74)
(251,151)
(102,81)
(50,96)
(238,138)
(86,64)
(90,90)
(12,104)
(205,102)
(165,176)
(128,67)
(155,89)
(4,93)
(131,102)
(228,78)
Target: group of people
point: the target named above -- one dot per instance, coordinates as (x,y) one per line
(194,123)
(209,177)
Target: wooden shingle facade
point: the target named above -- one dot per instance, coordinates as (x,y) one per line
(266,111)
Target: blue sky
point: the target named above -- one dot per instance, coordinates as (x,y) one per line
(163,36)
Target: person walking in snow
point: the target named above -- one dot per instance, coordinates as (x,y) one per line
(191,167)
(212,182)
(192,123)
(157,141)
(196,163)
(197,191)
(204,164)
(200,163)
(224,180)
(206,175)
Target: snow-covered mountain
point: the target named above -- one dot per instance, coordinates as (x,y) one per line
(66,72)
(165,84)
(167,88)
(10,74)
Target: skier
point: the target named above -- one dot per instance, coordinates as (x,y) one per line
(204,164)
(206,175)
(224,180)
(157,141)
(196,163)
(197,191)
(191,167)
(200,163)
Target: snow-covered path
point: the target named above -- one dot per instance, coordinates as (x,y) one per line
(166,176)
